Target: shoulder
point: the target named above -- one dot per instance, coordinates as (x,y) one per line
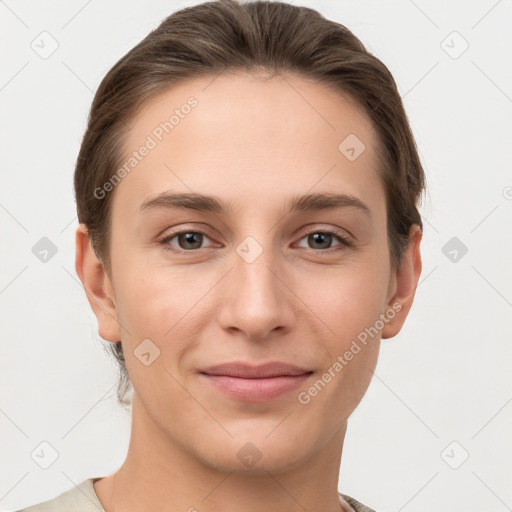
(80,498)
(356,505)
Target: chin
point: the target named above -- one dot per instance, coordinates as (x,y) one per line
(254,454)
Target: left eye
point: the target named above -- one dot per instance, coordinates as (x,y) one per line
(189,241)
(324,238)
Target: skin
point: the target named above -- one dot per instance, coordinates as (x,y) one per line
(253,142)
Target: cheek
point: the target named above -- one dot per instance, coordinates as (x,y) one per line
(349,308)
(164,305)
(346,298)
(157,311)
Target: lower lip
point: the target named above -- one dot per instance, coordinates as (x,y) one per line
(256,390)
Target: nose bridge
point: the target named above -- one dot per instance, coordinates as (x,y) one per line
(256,283)
(253,268)
(258,301)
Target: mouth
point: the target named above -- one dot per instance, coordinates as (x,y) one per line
(262,383)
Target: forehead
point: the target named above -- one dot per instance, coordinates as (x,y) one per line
(243,137)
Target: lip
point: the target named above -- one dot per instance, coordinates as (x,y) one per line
(260,383)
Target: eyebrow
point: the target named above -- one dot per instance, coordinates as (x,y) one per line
(212,204)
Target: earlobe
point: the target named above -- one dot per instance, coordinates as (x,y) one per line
(406,279)
(97,286)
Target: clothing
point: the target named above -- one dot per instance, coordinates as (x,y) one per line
(83,498)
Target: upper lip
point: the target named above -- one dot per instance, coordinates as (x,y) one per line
(248,371)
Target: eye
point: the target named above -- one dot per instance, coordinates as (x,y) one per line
(191,241)
(322,240)
(188,241)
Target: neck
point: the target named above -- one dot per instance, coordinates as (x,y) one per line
(159,471)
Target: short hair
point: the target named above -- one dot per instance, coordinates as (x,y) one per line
(271,36)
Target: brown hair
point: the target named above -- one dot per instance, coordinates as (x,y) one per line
(208,38)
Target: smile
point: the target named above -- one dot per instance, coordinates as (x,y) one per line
(262,383)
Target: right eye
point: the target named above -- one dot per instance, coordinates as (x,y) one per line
(188,241)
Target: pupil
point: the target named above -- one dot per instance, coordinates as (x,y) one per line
(319,237)
(189,239)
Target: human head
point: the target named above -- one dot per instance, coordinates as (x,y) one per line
(225,36)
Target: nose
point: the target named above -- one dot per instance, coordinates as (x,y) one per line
(258,302)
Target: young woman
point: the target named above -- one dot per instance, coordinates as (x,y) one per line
(247,191)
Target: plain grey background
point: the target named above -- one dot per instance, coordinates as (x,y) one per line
(433,430)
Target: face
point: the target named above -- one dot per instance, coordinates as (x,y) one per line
(254,274)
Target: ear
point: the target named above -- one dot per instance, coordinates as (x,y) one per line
(403,284)
(97,286)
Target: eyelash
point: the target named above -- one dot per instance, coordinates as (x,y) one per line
(345,242)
